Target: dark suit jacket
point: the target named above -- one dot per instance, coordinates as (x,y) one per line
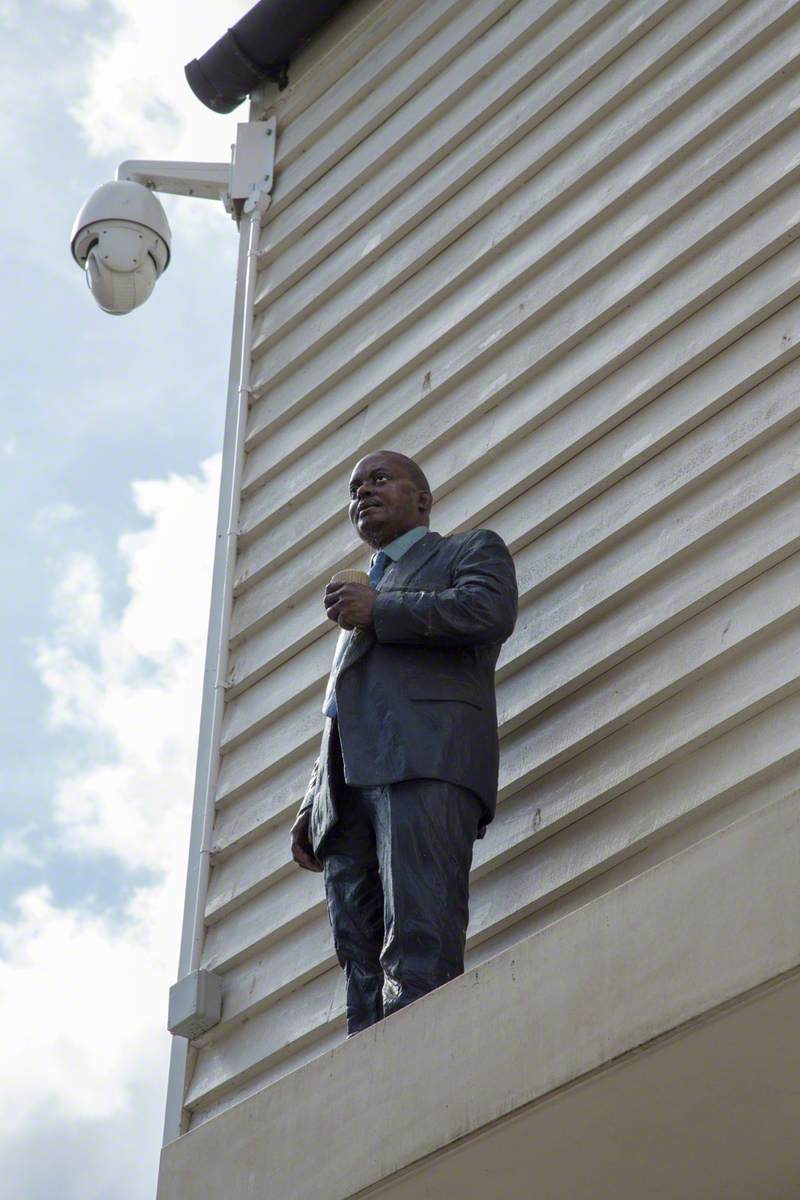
(415,695)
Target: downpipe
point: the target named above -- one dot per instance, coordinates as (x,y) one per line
(216,667)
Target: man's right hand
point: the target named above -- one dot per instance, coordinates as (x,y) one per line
(302,850)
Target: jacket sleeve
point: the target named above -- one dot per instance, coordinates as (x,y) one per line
(308,799)
(479,607)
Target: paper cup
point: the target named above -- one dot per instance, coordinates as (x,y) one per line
(351,577)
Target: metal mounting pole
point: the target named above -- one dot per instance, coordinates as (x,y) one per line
(250,195)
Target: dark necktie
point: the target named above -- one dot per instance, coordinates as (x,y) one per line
(378,567)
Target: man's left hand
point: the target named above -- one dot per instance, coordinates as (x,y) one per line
(350,604)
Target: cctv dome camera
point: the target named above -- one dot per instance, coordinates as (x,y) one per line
(121,238)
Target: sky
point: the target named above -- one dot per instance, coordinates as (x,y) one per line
(110,433)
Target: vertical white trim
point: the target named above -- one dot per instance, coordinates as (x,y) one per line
(217,645)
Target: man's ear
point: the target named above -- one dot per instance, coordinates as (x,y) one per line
(425,503)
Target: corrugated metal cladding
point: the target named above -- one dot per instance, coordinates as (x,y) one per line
(547,248)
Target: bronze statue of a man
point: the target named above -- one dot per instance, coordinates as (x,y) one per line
(406,777)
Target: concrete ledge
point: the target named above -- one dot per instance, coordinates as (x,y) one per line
(667,948)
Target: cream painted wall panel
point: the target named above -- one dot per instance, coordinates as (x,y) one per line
(353,95)
(488,136)
(256,866)
(749,548)
(624,291)
(552,68)
(432,73)
(645,215)
(642,681)
(336,52)
(718,440)
(280,689)
(270,504)
(516,239)
(372,279)
(729,259)
(727,490)
(252,926)
(451,84)
(550,250)
(694,581)
(769,601)
(239,819)
(245,764)
(536,695)
(737,430)
(673,87)
(572,855)
(558,436)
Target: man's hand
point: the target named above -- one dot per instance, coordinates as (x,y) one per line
(350,604)
(302,850)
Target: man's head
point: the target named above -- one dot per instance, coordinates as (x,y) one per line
(389,495)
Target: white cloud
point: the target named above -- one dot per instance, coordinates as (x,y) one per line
(137,99)
(10,13)
(133,684)
(16,846)
(136,102)
(52,516)
(85,990)
(84,1000)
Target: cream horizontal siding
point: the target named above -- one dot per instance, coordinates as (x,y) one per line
(549,250)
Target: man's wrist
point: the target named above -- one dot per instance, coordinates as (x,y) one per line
(301,818)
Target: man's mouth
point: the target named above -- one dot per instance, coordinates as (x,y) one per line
(362,508)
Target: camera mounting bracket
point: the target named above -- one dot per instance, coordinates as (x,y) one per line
(242,185)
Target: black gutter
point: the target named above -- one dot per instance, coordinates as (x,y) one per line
(258,47)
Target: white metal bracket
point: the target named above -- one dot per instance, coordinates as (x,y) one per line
(252,165)
(242,185)
(208,181)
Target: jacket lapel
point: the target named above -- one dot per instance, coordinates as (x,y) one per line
(354,644)
(338,656)
(398,574)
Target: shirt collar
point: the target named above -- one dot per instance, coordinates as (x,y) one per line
(405,541)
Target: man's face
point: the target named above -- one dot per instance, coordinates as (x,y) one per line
(384,501)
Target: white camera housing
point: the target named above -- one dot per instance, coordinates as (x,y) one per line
(121,238)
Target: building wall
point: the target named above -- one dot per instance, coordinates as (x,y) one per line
(546,248)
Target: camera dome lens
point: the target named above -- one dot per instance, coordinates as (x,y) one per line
(119,291)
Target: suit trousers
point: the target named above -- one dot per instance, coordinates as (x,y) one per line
(396,870)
